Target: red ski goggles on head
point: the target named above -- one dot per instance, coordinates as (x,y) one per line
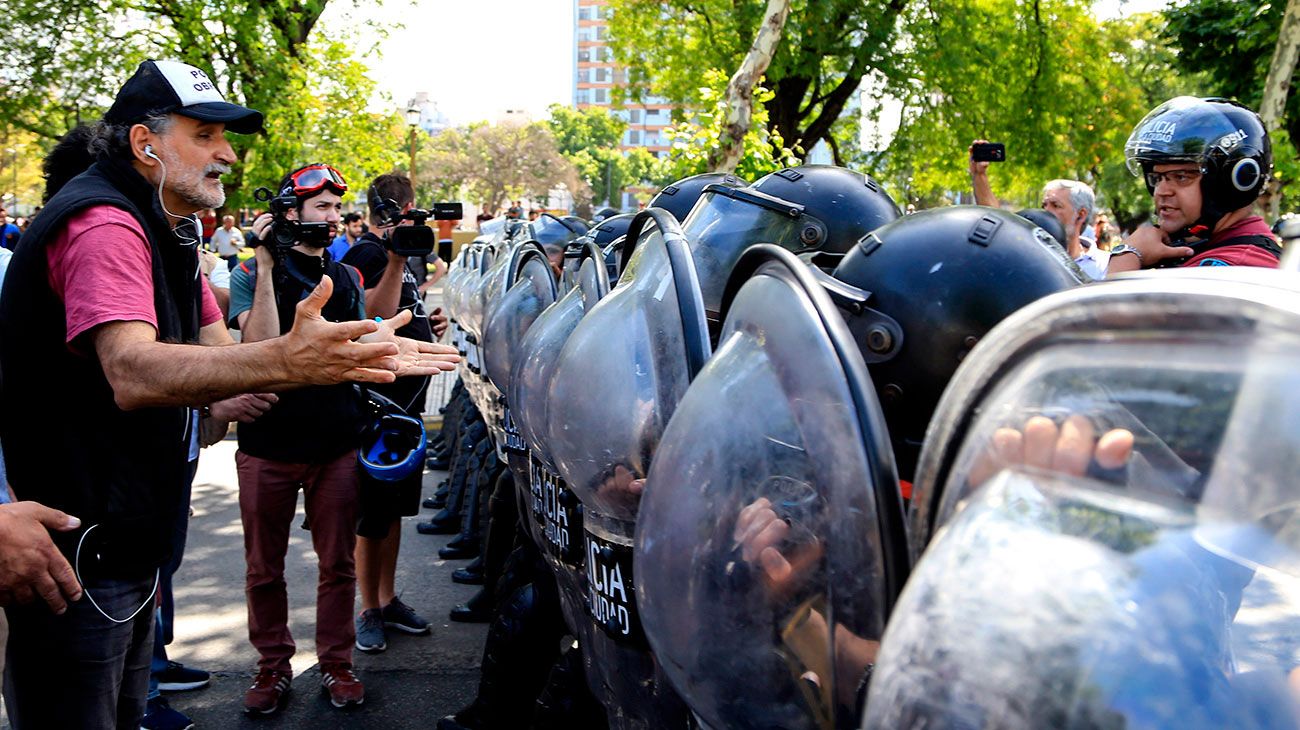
(313,178)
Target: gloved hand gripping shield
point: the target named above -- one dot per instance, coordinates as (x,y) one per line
(770,543)
(618,378)
(1120,551)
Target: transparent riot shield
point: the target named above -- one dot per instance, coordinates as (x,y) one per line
(1110,501)
(770,543)
(529,288)
(553,511)
(617,380)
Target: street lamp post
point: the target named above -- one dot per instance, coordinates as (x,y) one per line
(413,121)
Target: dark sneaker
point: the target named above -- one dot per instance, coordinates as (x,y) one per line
(342,686)
(267,694)
(402,617)
(178,678)
(370,631)
(158,715)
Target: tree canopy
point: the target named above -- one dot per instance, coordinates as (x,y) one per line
(71,56)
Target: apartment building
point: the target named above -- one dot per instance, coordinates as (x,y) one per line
(596,75)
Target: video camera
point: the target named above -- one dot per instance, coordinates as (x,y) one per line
(286,233)
(414,240)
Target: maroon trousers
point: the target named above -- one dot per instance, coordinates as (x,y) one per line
(268,497)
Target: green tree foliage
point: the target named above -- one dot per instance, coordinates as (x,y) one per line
(1060,88)
(491,164)
(71,56)
(1228,44)
(589,138)
(693,142)
(827,47)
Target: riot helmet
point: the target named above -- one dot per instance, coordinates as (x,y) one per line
(1138,566)
(935,283)
(1227,141)
(554,229)
(602,234)
(849,205)
(1047,222)
(816,211)
(679,197)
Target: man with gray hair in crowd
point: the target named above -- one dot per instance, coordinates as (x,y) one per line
(1070,201)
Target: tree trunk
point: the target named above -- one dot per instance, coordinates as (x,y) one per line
(740,90)
(1277,87)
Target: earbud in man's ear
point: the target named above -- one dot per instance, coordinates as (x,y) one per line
(148,151)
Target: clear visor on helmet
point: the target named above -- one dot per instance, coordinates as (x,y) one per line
(1184,129)
(759,560)
(1120,515)
(726,221)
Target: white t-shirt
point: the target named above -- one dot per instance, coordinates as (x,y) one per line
(228,242)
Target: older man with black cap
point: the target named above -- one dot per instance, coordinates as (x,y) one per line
(102,374)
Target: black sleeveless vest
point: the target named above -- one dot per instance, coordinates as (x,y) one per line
(67,444)
(317,424)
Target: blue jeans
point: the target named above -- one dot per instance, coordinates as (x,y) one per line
(80,670)
(166,615)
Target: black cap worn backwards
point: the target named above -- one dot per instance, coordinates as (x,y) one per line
(171,87)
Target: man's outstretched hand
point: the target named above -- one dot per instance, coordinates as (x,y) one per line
(320,352)
(31,566)
(414,357)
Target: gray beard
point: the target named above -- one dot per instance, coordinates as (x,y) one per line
(190,185)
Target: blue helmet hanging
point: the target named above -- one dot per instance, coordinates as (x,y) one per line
(393,443)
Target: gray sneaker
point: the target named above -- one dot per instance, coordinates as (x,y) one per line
(398,615)
(370,631)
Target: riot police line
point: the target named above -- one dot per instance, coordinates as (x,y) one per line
(770,455)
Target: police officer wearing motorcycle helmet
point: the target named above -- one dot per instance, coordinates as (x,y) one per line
(1204,161)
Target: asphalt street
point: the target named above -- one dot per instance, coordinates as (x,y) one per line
(412,684)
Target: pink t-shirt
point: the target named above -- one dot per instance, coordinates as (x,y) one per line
(1239,254)
(100,266)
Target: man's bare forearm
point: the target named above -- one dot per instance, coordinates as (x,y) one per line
(382,300)
(263,322)
(145,372)
(983,191)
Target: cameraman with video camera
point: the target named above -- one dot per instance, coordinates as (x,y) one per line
(391,258)
(307,440)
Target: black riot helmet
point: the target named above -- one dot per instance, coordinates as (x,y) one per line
(553,229)
(1047,222)
(933,284)
(679,197)
(1225,139)
(602,234)
(817,212)
(848,204)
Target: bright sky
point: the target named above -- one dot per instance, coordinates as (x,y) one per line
(476,58)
